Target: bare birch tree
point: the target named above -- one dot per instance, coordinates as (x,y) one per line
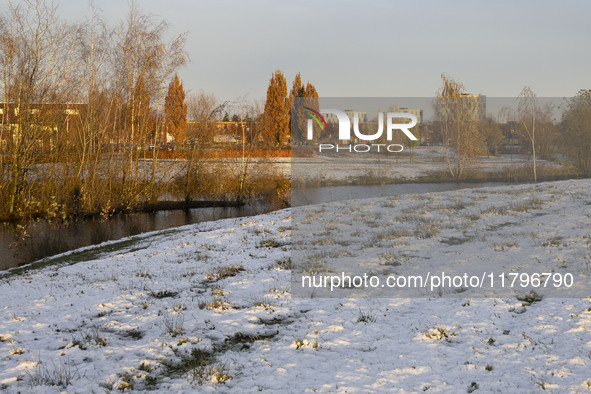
(458,115)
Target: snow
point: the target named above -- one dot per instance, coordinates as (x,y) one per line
(426,160)
(210,307)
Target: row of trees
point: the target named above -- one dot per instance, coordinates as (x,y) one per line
(277,112)
(462,127)
(126,78)
(119,73)
(466,133)
(102,154)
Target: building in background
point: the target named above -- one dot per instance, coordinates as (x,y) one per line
(45,126)
(332,118)
(417,112)
(473,105)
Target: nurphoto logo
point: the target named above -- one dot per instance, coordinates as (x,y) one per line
(343,119)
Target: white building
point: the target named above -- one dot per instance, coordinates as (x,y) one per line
(332,118)
(476,108)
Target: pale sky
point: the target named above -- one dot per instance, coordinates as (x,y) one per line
(375,48)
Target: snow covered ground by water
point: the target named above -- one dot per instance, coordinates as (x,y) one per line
(425,160)
(210,307)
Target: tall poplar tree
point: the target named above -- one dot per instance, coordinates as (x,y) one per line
(309,92)
(175,110)
(276,113)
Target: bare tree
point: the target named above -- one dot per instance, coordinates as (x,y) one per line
(94,51)
(491,134)
(148,63)
(204,111)
(536,125)
(458,115)
(172,56)
(576,138)
(37,56)
(246,110)
(526,110)
(72,95)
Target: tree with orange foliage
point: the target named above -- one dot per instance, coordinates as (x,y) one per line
(458,116)
(276,113)
(175,110)
(309,92)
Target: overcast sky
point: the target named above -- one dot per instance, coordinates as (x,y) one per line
(375,48)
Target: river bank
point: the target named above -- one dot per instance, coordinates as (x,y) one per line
(212,306)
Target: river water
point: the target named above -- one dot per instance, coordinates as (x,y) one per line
(44,239)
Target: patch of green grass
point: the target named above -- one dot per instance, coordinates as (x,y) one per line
(143,274)
(299,343)
(554,242)
(426,231)
(125,383)
(440,333)
(217,373)
(458,205)
(390,235)
(455,240)
(324,239)
(17,351)
(392,260)
(530,297)
(316,264)
(215,303)
(134,334)
(526,206)
(173,325)
(367,316)
(243,341)
(284,263)
(163,294)
(473,387)
(494,211)
(198,358)
(270,243)
(217,291)
(88,254)
(225,271)
(59,375)
(500,247)
(92,337)
(262,300)
(282,321)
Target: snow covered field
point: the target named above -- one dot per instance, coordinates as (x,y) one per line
(209,307)
(426,161)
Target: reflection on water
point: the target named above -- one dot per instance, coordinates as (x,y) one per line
(45,240)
